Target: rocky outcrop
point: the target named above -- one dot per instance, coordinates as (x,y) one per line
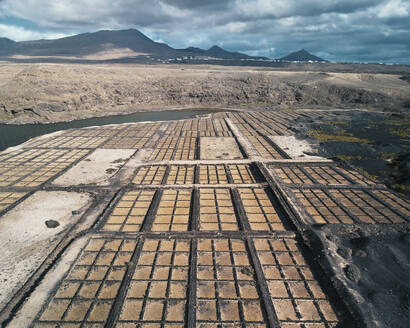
(44,93)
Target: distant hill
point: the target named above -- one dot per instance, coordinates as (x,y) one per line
(131,42)
(216,52)
(193,50)
(7,46)
(126,44)
(301,55)
(91,43)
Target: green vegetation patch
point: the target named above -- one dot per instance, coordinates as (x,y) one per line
(341,135)
(386,156)
(397,121)
(369,176)
(403,133)
(336,122)
(401,188)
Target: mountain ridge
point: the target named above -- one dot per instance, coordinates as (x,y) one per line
(132,41)
(302,55)
(89,43)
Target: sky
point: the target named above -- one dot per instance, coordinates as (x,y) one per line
(336,30)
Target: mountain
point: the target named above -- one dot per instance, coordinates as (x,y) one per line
(7,46)
(125,43)
(91,43)
(216,52)
(193,50)
(301,55)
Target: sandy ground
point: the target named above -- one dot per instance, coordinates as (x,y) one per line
(26,241)
(296,148)
(219,148)
(96,169)
(33,305)
(60,92)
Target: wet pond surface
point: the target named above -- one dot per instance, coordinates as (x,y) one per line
(13,134)
(377,144)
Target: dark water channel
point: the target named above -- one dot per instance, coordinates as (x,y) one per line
(13,134)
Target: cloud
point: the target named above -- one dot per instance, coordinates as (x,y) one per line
(79,13)
(394,9)
(21,34)
(90,13)
(234,27)
(288,8)
(364,30)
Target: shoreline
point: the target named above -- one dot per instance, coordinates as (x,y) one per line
(14,134)
(117,114)
(238,108)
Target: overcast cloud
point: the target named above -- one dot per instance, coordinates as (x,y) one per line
(349,30)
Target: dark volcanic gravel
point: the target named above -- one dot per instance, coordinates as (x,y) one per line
(378,271)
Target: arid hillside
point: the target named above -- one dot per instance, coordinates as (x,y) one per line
(60,92)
